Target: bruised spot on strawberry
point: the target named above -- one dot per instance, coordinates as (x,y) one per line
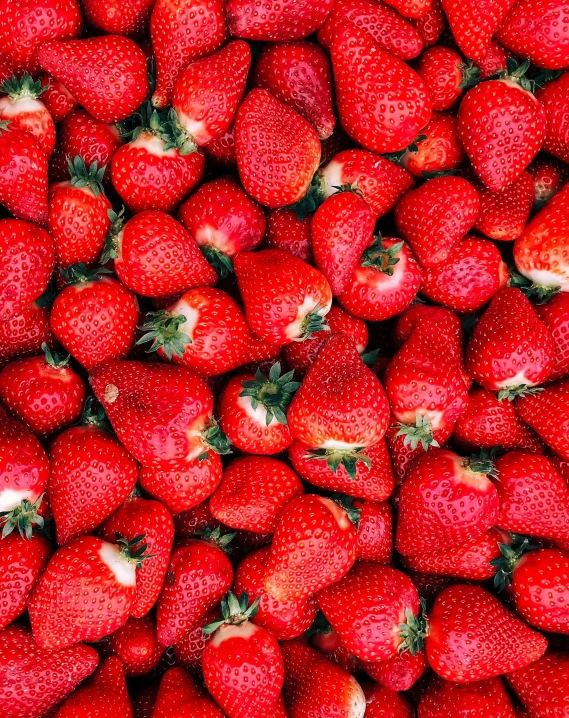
(111,393)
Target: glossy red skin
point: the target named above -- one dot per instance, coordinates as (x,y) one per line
(441,150)
(549,176)
(23,175)
(542,686)
(269,20)
(553,97)
(473,637)
(440,69)
(198,576)
(176,688)
(190,647)
(494,59)
(431,25)
(136,645)
(487,699)
(106,691)
(116,18)
(25,333)
(400,672)
(473,27)
(329,644)
(375,531)
(44,397)
(555,315)
(411,8)
(30,115)
(381,702)
(289,234)
(402,455)
(504,215)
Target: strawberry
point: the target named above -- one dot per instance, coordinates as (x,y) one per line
(23,174)
(555,315)
(26,112)
(27,24)
(445,76)
(494,59)
(155,256)
(299,75)
(510,349)
(78,218)
(57,98)
(6,71)
(271,20)
(222,150)
(158,167)
(94,317)
(315,686)
(277,150)
(183,31)
(471,275)
(508,123)
(542,686)
(439,151)
(285,299)
(176,689)
(411,8)
(136,645)
(553,97)
(285,619)
(189,649)
(503,215)
(224,221)
(24,334)
(198,576)
(487,699)
(107,74)
(473,637)
(314,545)
(384,282)
(399,672)
(115,18)
(370,79)
(431,25)
(27,261)
(375,531)
(43,392)
(472,27)
(161,414)
(381,702)
(549,176)
(436,216)
(237,641)
(106,691)
(342,228)
(34,679)
(86,591)
(289,234)
(327,641)
(391,32)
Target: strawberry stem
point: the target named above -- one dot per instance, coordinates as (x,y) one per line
(133,550)
(512,392)
(274,392)
(346,502)
(414,631)
(215,439)
(381,259)
(221,262)
(216,538)
(162,329)
(23,517)
(234,612)
(347,458)
(420,433)
(57,361)
(311,324)
(511,554)
(86,176)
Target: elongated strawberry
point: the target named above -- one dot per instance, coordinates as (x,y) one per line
(486,698)
(473,28)
(373,79)
(270,20)
(136,645)
(431,25)
(106,691)
(115,18)
(542,686)
(503,215)
(176,689)
(26,112)
(440,149)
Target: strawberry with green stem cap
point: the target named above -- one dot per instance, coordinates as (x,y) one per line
(26,112)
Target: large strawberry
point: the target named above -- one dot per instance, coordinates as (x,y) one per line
(485,699)
(25,111)
(271,20)
(116,18)
(473,27)
(542,686)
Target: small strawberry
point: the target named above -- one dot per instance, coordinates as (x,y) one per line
(549,176)
(400,672)
(271,20)
(190,647)
(115,18)
(431,25)
(288,233)
(486,699)
(473,27)
(494,59)
(439,151)
(555,315)
(445,75)
(24,334)
(542,686)
(503,215)
(136,645)
(22,108)
(57,98)
(375,531)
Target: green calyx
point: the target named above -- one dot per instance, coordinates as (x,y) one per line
(413,148)
(133,550)
(516,73)
(419,433)
(482,463)
(538,292)
(414,631)
(346,502)
(5,126)
(80,273)
(111,248)
(513,392)
(215,537)
(83,176)
(274,392)
(221,262)
(234,612)
(22,517)
(164,125)
(511,554)
(215,439)
(57,361)
(470,75)
(380,258)
(94,415)
(162,329)
(18,88)
(314,197)
(311,324)
(353,188)
(348,458)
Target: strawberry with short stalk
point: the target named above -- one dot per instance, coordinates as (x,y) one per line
(26,112)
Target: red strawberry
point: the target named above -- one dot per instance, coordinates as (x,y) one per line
(224,221)
(299,74)
(289,234)
(6,71)
(391,32)
(34,679)
(22,108)
(285,299)
(502,127)
(176,689)
(486,699)
(473,637)
(105,692)
(400,672)
(471,275)
(542,686)
(78,219)
(555,315)
(366,78)
(411,8)
(23,174)
(94,317)
(277,150)
(441,149)
(381,702)
(473,27)
(86,591)
(314,545)
(510,348)
(445,75)
(494,59)
(222,150)
(553,97)
(27,261)
(189,649)
(57,98)
(375,531)
(431,25)
(503,215)
(436,216)
(27,24)
(549,176)
(24,334)
(116,18)
(137,646)
(271,20)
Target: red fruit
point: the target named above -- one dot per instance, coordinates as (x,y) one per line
(431,25)
(503,215)
(328,642)
(471,275)
(26,263)
(473,637)
(289,234)
(270,20)
(24,111)
(555,315)
(495,59)
(136,645)
(375,531)
(381,702)
(411,8)
(473,27)
(553,97)
(189,649)
(314,545)
(107,74)
(445,76)
(542,686)
(400,672)
(487,699)
(436,216)
(36,680)
(222,150)
(115,18)
(549,176)
(277,150)
(441,149)
(27,24)
(383,104)
(176,689)
(24,334)
(57,98)
(85,593)
(95,317)
(510,348)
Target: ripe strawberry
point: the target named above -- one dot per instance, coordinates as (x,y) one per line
(381,702)
(277,150)
(472,28)
(86,591)
(222,150)
(549,176)
(503,215)
(542,686)
(27,24)
(23,174)
(439,151)
(431,25)
(34,679)
(494,59)
(366,78)
(57,98)
(224,221)
(115,18)
(22,108)
(289,234)
(375,531)
(24,334)
(285,299)
(400,672)
(237,641)
(508,124)
(486,699)
(445,75)
(26,263)
(385,281)
(555,315)
(473,637)
(176,689)
(94,317)
(270,20)
(553,97)
(136,645)
(314,545)
(198,576)
(391,32)
(436,216)
(411,8)
(327,641)
(510,349)
(105,692)
(189,649)
(471,275)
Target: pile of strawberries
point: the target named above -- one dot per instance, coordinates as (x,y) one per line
(284,359)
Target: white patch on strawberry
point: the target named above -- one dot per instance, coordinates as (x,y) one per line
(357,706)
(153,145)
(332,176)
(545,278)
(337,511)
(516,380)
(244,631)
(209,235)
(123,571)
(258,415)
(309,304)
(10,498)
(196,129)
(339,445)
(191,315)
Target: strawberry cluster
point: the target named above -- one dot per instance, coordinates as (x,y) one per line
(284,359)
